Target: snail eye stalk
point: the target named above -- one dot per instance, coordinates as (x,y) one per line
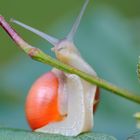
(53,40)
(50,39)
(76,24)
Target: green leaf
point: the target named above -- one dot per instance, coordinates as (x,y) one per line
(17,134)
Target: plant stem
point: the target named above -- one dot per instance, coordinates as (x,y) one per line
(42,57)
(39,55)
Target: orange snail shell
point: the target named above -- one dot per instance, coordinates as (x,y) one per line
(42,101)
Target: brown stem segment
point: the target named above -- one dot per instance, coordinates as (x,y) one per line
(39,55)
(12,33)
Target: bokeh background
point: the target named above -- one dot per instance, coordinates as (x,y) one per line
(108,38)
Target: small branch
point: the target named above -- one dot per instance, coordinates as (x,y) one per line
(39,55)
(44,58)
(12,33)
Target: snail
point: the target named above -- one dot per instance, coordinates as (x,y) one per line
(58,102)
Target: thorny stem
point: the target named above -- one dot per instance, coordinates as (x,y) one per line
(39,55)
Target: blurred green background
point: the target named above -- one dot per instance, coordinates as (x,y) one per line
(108,38)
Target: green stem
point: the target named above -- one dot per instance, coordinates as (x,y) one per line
(39,55)
(44,58)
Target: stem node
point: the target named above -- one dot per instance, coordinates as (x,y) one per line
(33,52)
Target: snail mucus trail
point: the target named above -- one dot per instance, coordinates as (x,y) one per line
(58,102)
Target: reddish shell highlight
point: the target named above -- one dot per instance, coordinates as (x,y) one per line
(42,101)
(97,97)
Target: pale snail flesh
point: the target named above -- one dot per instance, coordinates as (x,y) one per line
(79,95)
(75,96)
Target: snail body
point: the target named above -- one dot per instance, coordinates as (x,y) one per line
(58,102)
(71,99)
(45,111)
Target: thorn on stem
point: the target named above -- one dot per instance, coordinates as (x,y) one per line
(1,18)
(11,20)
